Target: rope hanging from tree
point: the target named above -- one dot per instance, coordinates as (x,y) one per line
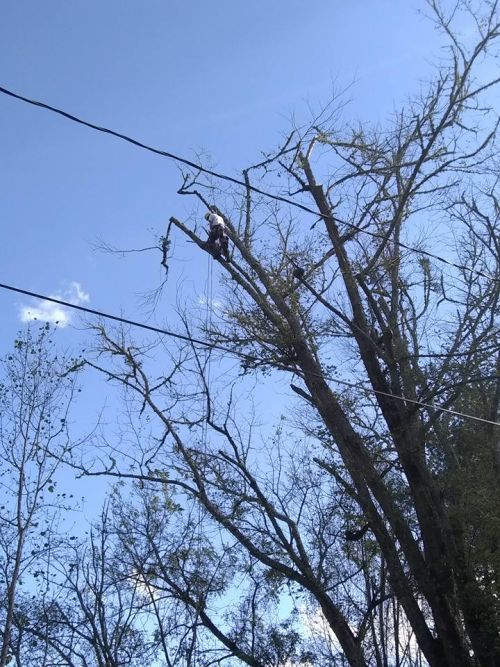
(165,244)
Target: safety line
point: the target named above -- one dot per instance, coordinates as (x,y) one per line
(236,181)
(204,431)
(243,355)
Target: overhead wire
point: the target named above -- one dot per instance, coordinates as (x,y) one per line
(236,181)
(243,355)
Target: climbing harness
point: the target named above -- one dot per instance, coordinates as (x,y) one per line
(219,246)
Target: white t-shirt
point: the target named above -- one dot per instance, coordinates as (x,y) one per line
(215,220)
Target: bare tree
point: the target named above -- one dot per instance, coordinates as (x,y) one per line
(90,613)
(36,391)
(386,346)
(187,576)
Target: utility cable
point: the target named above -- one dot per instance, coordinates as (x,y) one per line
(236,181)
(243,355)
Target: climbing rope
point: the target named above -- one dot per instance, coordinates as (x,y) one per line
(204,432)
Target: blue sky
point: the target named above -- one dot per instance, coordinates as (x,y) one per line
(221,77)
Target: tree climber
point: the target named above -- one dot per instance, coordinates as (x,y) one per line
(217,237)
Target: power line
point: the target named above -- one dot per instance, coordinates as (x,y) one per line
(236,181)
(116,318)
(243,355)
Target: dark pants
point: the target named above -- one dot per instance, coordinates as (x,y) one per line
(217,234)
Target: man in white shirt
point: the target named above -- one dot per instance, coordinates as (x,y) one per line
(218,234)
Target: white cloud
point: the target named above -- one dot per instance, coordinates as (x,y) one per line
(216,304)
(47,311)
(78,293)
